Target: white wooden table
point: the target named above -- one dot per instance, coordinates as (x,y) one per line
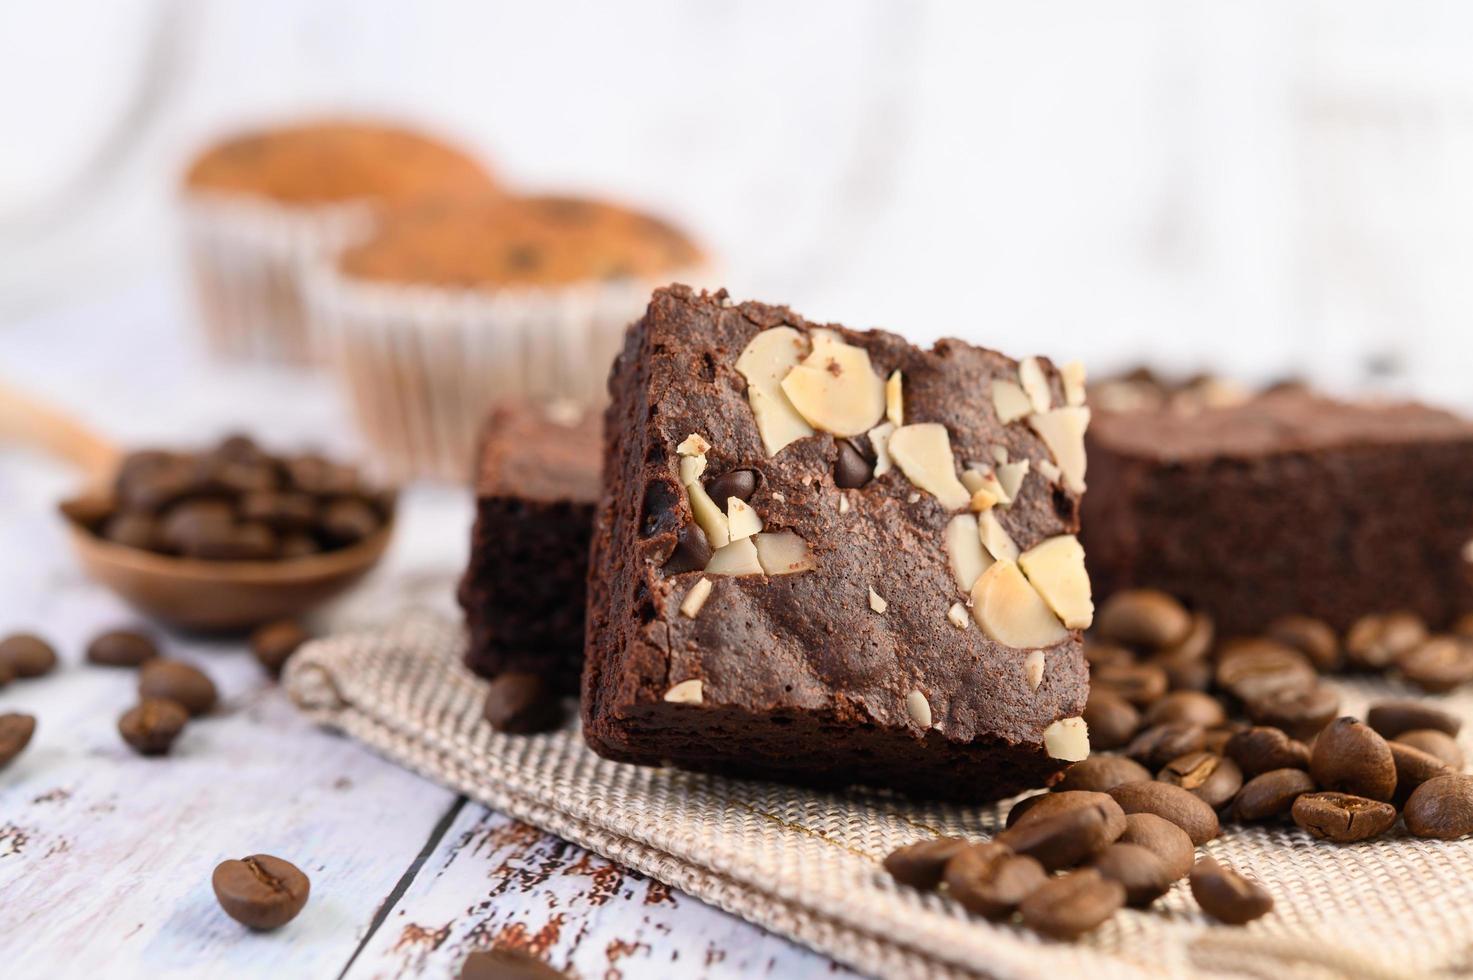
(105,857)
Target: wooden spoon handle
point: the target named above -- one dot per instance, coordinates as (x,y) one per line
(32,422)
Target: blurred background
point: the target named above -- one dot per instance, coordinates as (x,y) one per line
(1255,188)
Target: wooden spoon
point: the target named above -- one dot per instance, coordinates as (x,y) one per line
(213,596)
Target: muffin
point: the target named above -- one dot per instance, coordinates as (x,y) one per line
(452,305)
(259,204)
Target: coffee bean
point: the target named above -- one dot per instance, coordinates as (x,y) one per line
(1300,713)
(1260,749)
(1171,803)
(1211,778)
(280,511)
(1269,795)
(1442,807)
(275,642)
(1063,840)
(1312,637)
(1228,896)
(1349,757)
(691,553)
(990,880)
(241,542)
(1143,874)
(1069,906)
(1110,719)
(1413,768)
(1343,817)
(735,483)
(1434,742)
(920,865)
(152,726)
(1189,707)
(1216,739)
(134,529)
(1048,804)
(179,682)
(298,546)
(506,963)
(1184,673)
(522,704)
(121,648)
(320,477)
(1440,664)
(1391,718)
(1162,838)
(1140,684)
(1100,654)
(1101,773)
(1159,744)
(1254,669)
(1143,617)
(260,892)
(348,520)
(194,526)
(27,655)
(1373,642)
(851,469)
(16,730)
(1195,645)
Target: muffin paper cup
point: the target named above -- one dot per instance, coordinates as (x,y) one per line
(422,365)
(247,259)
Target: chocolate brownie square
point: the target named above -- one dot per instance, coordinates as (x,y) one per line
(523,591)
(1286,503)
(831,557)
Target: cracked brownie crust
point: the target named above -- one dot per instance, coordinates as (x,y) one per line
(860,660)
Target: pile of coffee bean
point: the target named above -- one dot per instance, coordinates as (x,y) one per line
(235,502)
(1205,732)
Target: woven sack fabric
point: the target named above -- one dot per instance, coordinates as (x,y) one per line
(807,864)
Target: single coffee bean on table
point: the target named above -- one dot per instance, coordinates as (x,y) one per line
(1391,718)
(990,880)
(1349,757)
(1228,896)
(151,726)
(1342,817)
(1159,744)
(177,681)
(506,963)
(261,892)
(27,655)
(1434,742)
(1101,773)
(1042,805)
(1438,665)
(1442,807)
(1314,638)
(522,704)
(1143,617)
(1260,749)
(1270,795)
(1373,642)
(275,642)
(1162,838)
(1069,906)
(16,731)
(1187,707)
(1172,803)
(1413,768)
(121,648)
(1144,876)
(1213,779)
(920,865)
(1112,721)
(1063,840)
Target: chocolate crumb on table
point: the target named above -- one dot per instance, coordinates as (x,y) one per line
(523,591)
(794,513)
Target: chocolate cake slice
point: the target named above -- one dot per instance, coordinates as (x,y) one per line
(1286,503)
(523,591)
(832,557)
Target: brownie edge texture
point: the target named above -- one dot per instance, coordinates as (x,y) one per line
(537,481)
(869,603)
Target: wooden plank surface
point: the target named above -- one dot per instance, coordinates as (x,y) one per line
(105,857)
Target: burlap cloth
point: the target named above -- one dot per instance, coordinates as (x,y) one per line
(807,864)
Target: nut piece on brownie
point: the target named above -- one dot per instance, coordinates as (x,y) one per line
(860,502)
